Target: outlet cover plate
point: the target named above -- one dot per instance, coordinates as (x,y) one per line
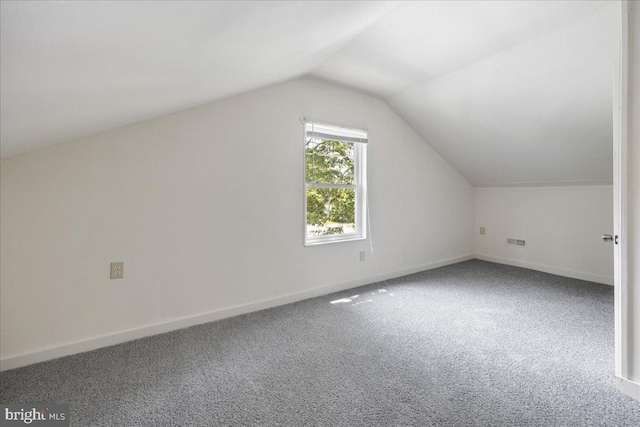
(117,270)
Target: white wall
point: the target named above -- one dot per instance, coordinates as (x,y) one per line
(205,208)
(562,227)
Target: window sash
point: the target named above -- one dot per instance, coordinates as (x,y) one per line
(321,185)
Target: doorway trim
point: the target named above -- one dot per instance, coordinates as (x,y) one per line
(620,197)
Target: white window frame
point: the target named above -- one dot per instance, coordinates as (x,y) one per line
(360,185)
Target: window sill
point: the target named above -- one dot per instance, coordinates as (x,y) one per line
(308,243)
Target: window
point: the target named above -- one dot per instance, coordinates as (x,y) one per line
(335,183)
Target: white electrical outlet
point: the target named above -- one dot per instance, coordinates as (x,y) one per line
(362,256)
(117,270)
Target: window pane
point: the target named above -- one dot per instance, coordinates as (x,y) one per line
(330,162)
(331,211)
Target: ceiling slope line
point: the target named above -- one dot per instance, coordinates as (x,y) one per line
(498,54)
(419,135)
(178,91)
(151,118)
(355,36)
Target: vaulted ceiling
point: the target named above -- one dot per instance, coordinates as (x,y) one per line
(510,93)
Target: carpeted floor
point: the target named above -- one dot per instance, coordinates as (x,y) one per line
(474,343)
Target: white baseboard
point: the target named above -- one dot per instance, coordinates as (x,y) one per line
(628,387)
(546,269)
(16,361)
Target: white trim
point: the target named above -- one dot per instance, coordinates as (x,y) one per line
(570,183)
(620,170)
(548,188)
(628,387)
(315,131)
(16,361)
(360,187)
(617,220)
(606,280)
(335,238)
(306,120)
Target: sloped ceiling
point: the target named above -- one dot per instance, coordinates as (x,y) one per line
(71,69)
(510,93)
(539,113)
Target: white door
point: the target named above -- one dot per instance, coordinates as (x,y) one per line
(618,182)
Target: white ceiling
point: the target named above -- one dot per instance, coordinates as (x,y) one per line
(71,69)
(538,113)
(508,92)
(419,41)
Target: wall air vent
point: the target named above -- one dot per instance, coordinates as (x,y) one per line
(516,242)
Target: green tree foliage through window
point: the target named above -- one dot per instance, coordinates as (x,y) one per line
(330,210)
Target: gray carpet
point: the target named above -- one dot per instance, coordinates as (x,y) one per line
(474,343)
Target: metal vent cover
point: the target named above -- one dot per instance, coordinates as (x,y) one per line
(517,242)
